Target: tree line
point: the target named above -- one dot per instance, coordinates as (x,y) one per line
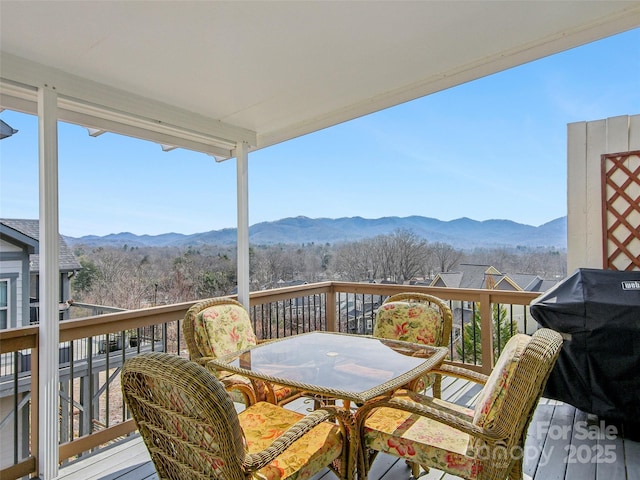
(137,277)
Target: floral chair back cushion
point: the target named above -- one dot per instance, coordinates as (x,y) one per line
(410,322)
(494,391)
(223,329)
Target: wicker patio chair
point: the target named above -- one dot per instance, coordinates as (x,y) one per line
(486,443)
(218,326)
(418,318)
(191,428)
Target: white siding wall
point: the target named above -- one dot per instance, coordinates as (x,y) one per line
(9,247)
(587,141)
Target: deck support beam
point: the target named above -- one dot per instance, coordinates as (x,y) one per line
(242,159)
(49,283)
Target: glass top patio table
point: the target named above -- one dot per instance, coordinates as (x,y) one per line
(349,367)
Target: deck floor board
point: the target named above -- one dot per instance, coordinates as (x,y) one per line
(632,459)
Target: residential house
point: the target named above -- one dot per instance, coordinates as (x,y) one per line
(19,273)
(489,277)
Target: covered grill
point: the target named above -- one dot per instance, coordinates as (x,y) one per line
(598,313)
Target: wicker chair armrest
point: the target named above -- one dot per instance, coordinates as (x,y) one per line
(460,372)
(202,360)
(426,407)
(255,461)
(223,375)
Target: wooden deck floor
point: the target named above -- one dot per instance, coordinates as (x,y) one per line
(562,443)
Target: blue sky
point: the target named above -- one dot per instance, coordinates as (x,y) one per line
(494,148)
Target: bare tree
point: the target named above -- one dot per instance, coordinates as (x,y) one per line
(548,263)
(272,264)
(135,277)
(400,256)
(355,261)
(382,252)
(118,278)
(411,254)
(315,261)
(445,257)
(502,258)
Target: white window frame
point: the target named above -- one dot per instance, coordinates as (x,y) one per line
(6,308)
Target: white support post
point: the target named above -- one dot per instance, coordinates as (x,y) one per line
(242,158)
(49,284)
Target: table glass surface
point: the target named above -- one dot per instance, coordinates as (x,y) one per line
(351,367)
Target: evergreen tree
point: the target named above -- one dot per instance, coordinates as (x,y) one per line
(503,330)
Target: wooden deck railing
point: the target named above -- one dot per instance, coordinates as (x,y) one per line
(94,348)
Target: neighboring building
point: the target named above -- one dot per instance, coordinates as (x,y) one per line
(19,273)
(485,276)
(468,276)
(488,277)
(6,130)
(531,283)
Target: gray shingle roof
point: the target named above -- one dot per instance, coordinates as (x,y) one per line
(31,228)
(476,276)
(6,130)
(528,282)
(546,285)
(449,279)
(470,276)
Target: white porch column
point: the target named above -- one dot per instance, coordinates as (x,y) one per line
(49,284)
(242,158)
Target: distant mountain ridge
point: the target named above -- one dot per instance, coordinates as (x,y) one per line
(463,233)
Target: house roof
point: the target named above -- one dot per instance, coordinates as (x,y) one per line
(6,130)
(486,276)
(29,231)
(447,279)
(527,281)
(507,283)
(207,75)
(19,238)
(546,285)
(469,276)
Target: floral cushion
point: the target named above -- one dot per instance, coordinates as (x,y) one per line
(421,440)
(282,391)
(230,379)
(222,329)
(264,422)
(410,322)
(414,322)
(493,393)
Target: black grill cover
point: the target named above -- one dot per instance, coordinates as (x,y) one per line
(598,370)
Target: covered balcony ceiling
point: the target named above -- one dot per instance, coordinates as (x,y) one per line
(206,75)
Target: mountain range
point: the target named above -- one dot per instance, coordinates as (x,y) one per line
(462,233)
